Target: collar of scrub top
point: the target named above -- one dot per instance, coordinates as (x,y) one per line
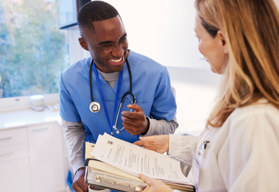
(103,99)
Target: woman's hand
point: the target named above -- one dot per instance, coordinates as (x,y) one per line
(154,185)
(158,143)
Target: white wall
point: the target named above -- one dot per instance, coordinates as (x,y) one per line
(75,51)
(162,29)
(195,96)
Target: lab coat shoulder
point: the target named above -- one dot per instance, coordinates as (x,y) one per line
(252,119)
(249,155)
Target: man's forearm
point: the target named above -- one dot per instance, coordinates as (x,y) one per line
(74,135)
(161,127)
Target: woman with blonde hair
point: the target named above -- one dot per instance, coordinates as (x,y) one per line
(239,149)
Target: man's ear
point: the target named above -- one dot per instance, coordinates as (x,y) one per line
(83,43)
(223,41)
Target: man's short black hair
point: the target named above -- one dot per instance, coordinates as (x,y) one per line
(95,11)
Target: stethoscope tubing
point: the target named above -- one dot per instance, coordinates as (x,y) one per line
(130,92)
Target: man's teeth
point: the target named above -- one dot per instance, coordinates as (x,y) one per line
(116,60)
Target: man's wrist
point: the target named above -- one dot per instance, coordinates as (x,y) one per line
(80,169)
(147,127)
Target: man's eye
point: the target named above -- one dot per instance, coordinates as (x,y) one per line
(107,45)
(123,39)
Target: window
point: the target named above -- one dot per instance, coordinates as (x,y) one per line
(33,50)
(68,13)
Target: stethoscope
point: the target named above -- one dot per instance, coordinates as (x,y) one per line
(95,107)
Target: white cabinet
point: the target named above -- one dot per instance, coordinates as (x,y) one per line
(32,159)
(14,161)
(47,158)
(14,175)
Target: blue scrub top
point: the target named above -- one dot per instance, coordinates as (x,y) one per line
(151,86)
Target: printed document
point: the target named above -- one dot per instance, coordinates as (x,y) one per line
(136,160)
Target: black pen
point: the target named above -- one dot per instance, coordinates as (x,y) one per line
(205,143)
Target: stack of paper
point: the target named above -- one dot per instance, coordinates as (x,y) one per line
(119,163)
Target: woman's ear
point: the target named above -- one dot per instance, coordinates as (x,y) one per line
(223,41)
(83,43)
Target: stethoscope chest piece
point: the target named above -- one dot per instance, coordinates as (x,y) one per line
(94,107)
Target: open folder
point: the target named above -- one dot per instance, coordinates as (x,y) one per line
(115,164)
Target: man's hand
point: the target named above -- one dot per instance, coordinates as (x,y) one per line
(158,143)
(135,121)
(78,183)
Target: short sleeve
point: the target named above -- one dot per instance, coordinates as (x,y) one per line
(68,111)
(164,105)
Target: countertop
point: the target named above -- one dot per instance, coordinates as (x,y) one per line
(26,117)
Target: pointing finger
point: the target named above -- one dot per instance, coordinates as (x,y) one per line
(135,107)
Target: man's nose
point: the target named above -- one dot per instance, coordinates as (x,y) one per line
(118,51)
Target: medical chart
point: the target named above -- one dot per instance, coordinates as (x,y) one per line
(134,159)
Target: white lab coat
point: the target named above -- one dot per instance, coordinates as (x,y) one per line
(242,156)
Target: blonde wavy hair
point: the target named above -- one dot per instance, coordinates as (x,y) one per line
(251,29)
